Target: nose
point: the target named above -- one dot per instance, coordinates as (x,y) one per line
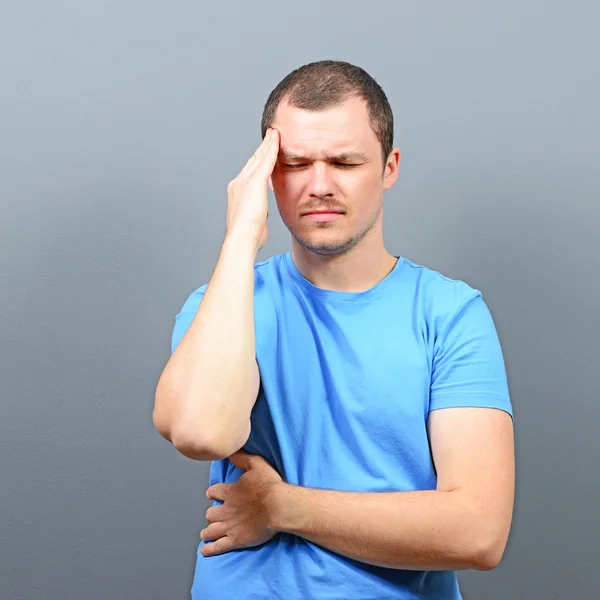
(321,182)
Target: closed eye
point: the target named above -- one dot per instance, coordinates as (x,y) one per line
(337,164)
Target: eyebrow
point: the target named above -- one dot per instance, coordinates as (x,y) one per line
(349,155)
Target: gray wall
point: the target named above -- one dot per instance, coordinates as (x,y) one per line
(121,124)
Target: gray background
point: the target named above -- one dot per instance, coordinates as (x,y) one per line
(121,124)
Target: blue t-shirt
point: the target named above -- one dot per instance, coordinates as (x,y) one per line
(347,382)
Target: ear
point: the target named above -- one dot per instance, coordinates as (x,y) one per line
(390,174)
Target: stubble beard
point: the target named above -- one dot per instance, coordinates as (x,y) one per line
(333,247)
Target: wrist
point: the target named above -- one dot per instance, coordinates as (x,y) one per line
(241,241)
(285,508)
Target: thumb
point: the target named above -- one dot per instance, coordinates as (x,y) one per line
(241,459)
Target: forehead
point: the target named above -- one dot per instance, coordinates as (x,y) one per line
(345,127)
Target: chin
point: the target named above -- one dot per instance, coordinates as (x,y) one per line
(326,247)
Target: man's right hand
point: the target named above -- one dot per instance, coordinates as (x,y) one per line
(247,193)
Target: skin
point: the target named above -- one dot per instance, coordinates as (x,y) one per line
(347,254)
(464,523)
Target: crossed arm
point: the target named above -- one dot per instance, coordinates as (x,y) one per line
(463,524)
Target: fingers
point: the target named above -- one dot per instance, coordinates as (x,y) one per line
(213,532)
(217,491)
(240,458)
(259,151)
(272,152)
(265,156)
(223,544)
(214,514)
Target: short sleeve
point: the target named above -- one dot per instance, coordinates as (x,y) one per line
(186,315)
(468,365)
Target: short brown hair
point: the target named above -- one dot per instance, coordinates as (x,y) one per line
(320,85)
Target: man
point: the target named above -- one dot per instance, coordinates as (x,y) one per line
(354,403)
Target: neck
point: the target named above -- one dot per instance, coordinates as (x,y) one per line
(357,270)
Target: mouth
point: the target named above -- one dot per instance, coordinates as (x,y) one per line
(322,215)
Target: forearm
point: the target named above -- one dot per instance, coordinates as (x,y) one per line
(421,530)
(210,384)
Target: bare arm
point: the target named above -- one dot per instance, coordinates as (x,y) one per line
(463,524)
(207,389)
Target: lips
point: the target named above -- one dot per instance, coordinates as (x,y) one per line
(322,212)
(322,216)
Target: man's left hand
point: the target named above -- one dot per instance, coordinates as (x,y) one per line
(242,521)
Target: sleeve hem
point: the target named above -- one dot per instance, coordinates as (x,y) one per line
(470,400)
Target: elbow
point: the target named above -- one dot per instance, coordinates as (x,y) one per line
(190,446)
(484,542)
(197,437)
(489,554)
(485,538)
(161,425)
(196,450)
(489,560)
(201,448)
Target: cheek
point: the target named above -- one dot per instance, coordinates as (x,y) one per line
(287,179)
(287,189)
(371,188)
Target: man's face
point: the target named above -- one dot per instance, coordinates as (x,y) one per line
(330,160)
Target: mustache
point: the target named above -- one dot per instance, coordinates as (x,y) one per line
(319,205)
